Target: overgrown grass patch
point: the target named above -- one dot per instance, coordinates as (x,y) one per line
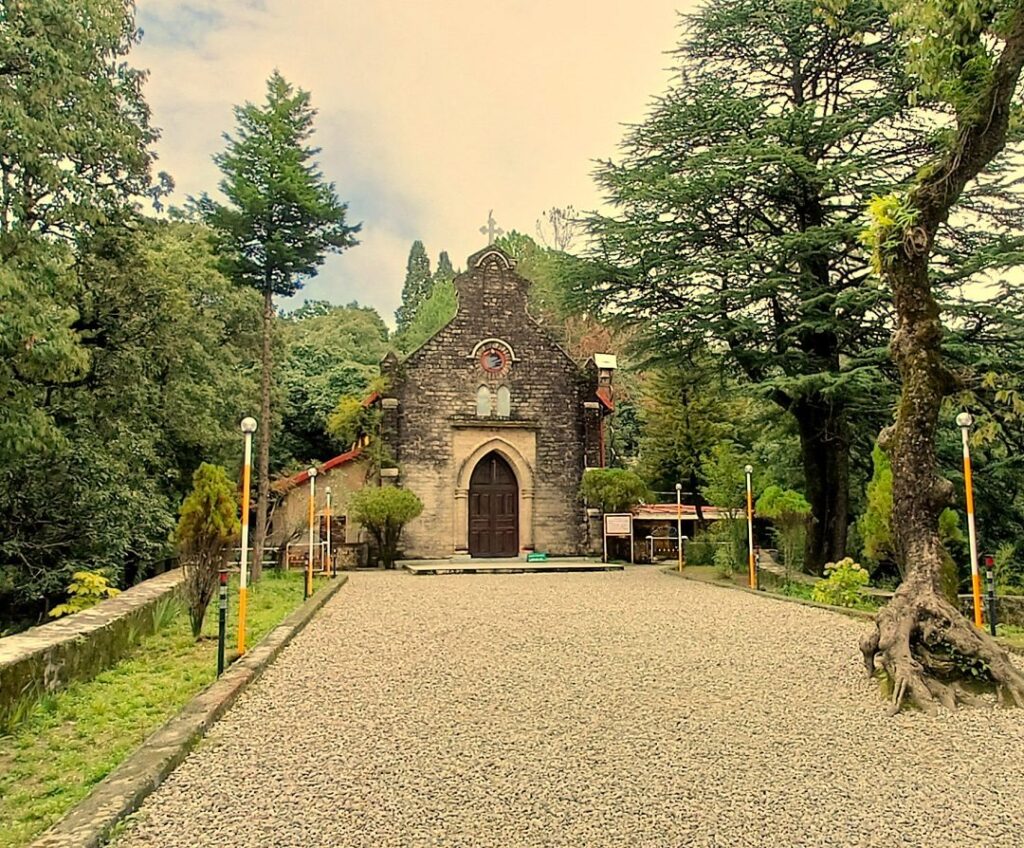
(71,740)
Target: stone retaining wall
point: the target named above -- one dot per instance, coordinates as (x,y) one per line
(47,658)
(1009,608)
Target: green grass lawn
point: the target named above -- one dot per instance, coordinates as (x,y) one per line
(71,740)
(772,585)
(1011,634)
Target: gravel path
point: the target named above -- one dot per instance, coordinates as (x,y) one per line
(603,709)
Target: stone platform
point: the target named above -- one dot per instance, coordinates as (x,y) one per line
(505,566)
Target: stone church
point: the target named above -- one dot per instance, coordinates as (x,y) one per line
(491,424)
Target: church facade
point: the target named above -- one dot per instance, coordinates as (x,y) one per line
(492,424)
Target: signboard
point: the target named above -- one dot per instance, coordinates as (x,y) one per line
(618,524)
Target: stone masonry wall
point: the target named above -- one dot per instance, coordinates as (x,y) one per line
(437,390)
(76,648)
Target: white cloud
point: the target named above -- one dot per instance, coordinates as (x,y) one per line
(431,113)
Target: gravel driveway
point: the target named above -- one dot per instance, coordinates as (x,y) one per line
(601,709)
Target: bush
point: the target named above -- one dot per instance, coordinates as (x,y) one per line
(725,562)
(87,588)
(790,514)
(701,550)
(842,584)
(613,489)
(384,511)
(207,527)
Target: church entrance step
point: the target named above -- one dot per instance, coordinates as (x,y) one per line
(504,566)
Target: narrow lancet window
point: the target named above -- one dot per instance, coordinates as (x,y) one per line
(483,402)
(504,402)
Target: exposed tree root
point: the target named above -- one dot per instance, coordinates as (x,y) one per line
(929,650)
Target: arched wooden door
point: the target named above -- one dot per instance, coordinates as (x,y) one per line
(493,509)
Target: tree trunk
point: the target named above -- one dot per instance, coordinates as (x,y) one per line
(920,639)
(263,463)
(825,451)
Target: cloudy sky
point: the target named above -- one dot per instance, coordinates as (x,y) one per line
(431,112)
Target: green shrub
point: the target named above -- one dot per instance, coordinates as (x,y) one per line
(87,588)
(207,527)
(384,511)
(725,562)
(701,550)
(842,584)
(790,514)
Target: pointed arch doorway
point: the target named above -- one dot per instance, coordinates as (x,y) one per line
(493,508)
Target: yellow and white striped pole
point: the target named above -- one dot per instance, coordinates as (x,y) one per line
(679,524)
(248,428)
(312,520)
(751,576)
(964,422)
(329,561)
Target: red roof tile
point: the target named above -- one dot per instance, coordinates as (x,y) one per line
(667,511)
(303,476)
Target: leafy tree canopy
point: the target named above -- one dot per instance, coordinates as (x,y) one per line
(613,489)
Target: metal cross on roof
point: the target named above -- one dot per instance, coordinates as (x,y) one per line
(491,228)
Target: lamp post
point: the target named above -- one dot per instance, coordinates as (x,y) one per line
(749,470)
(312,517)
(964,422)
(248,428)
(328,566)
(679,524)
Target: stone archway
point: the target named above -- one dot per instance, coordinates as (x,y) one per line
(524,483)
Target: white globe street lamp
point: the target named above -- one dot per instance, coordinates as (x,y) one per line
(248,426)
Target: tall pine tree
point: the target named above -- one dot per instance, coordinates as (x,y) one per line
(444,271)
(280,220)
(417,286)
(738,205)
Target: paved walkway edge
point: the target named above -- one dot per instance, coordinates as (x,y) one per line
(90,822)
(721,584)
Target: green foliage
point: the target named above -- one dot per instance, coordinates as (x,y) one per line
(164,612)
(167,345)
(444,271)
(725,562)
(433,314)
(789,512)
(329,352)
(890,219)
(208,526)
(74,126)
(732,228)
(1008,570)
(875,524)
(282,217)
(684,412)
(87,588)
(384,511)
(842,584)
(726,485)
(701,549)
(613,489)
(417,287)
(347,420)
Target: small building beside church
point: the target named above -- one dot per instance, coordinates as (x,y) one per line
(491,424)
